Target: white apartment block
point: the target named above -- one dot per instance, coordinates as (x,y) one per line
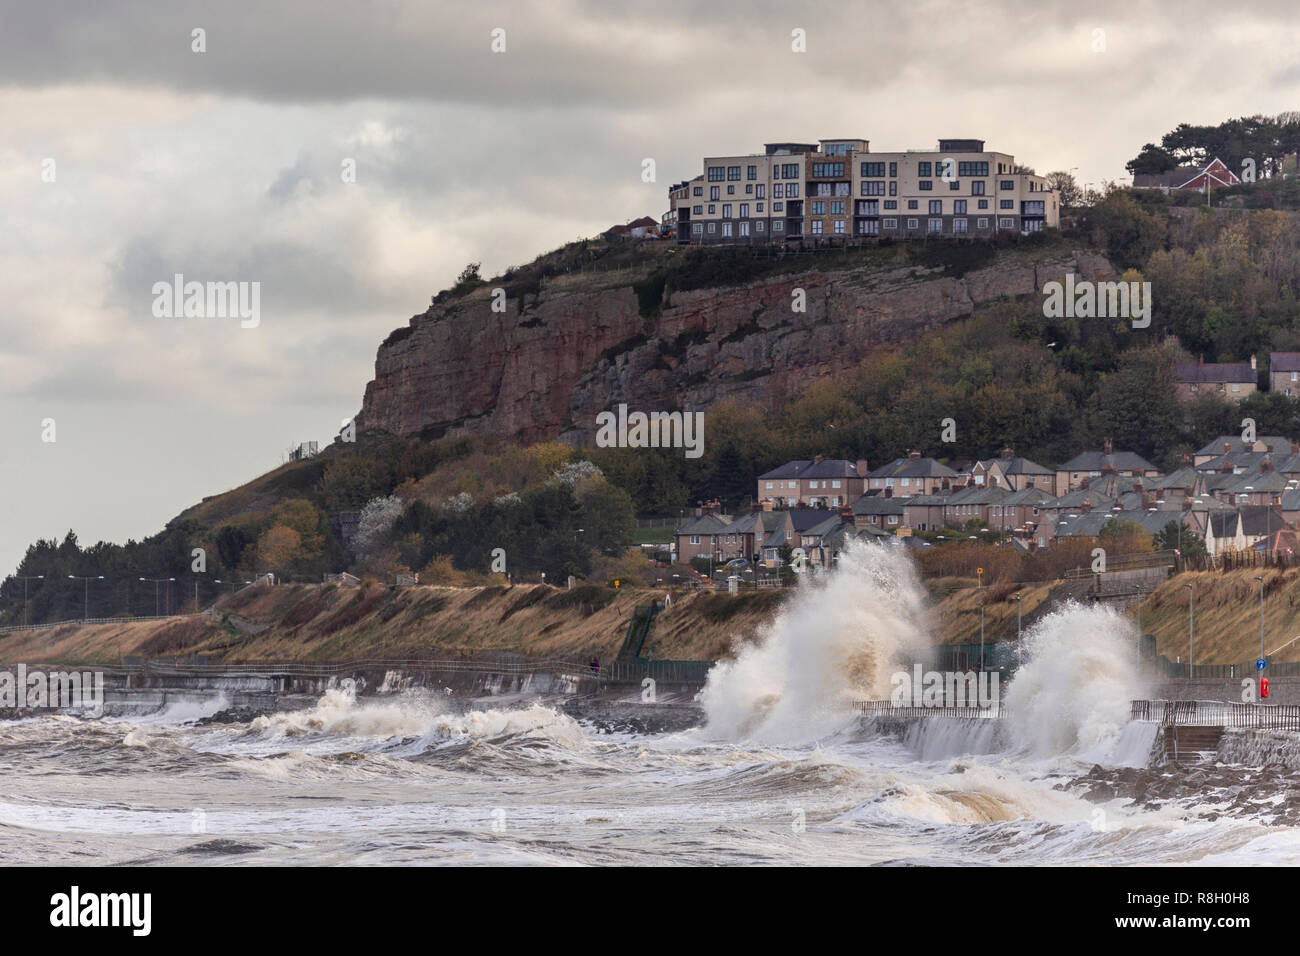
(839,189)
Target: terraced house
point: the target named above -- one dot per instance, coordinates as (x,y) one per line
(839,188)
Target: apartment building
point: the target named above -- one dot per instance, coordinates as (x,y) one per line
(838,188)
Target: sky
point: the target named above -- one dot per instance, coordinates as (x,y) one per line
(130,156)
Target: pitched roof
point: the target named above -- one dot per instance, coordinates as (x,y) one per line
(811,468)
(880,505)
(1016,465)
(913,468)
(706,524)
(1098,460)
(1236,444)
(1284,361)
(1260,519)
(1213,372)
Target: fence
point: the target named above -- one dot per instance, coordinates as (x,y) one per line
(90,620)
(1217,713)
(887,708)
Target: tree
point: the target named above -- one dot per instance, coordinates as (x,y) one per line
(1174,536)
(1067,189)
(278,548)
(1152,159)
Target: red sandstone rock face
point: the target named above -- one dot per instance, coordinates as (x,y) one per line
(547,371)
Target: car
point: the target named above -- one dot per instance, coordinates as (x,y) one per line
(737,563)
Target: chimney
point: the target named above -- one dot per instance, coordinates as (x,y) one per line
(889,492)
(1295,449)
(1137,486)
(846,514)
(1201,360)
(1187,460)
(1253,367)
(1187,503)
(1086,506)
(1266,465)
(1106,446)
(1085,483)
(767,504)
(1268,447)
(862,468)
(1227,447)
(1227,468)
(817,459)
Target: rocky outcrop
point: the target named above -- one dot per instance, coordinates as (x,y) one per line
(555,358)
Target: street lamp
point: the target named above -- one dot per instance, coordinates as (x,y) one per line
(1017,615)
(1191,634)
(85,613)
(156,582)
(1139,648)
(1260,579)
(26,578)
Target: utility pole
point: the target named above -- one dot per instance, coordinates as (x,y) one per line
(1191,633)
(1260,579)
(26,578)
(85,614)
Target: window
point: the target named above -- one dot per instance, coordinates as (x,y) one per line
(959,225)
(836,149)
(827,170)
(726,210)
(778,207)
(873,170)
(868,227)
(744,210)
(835,484)
(984,204)
(791,190)
(733,173)
(716,174)
(893,519)
(778,226)
(873,187)
(1006,204)
(982,223)
(889,224)
(893,189)
(758,226)
(695,539)
(893,169)
(726,229)
(837,207)
(817,227)
(911,224)
(839,229)
(818,208)
(790,170)
(713,227)
(697,227)
(713,210)
(891,203)
(760,191)
(769,486)
(698,191)
(868,207)
(778,190)
(744,227)
(936,207)
(922,170)
(959,207)
(972,169)
(977,188)
(936,225)
(911,204)
(925,185)
(731,190)
(715,193)
(823,189)
(1007,223)
(751,172)
(1033,208)
(749,189)
(1007,184)
(760,207)
(843,189)
(697,210)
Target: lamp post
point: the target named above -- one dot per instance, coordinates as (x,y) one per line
(1260,579)
(1191,633)
(1139,647)
(981,637)
(26,578)
(1017,615)
(85,613)
(156,582)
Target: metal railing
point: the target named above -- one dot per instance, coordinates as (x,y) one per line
(1217,713)
(90,620)
(887,708)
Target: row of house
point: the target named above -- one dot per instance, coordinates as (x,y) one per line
(1236,380)
(1234,493)
(840,188)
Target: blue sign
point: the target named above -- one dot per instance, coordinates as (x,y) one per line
(1260,664)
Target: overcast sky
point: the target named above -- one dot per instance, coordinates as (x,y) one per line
(225,165)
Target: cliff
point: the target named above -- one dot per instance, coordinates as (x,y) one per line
(656,335)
